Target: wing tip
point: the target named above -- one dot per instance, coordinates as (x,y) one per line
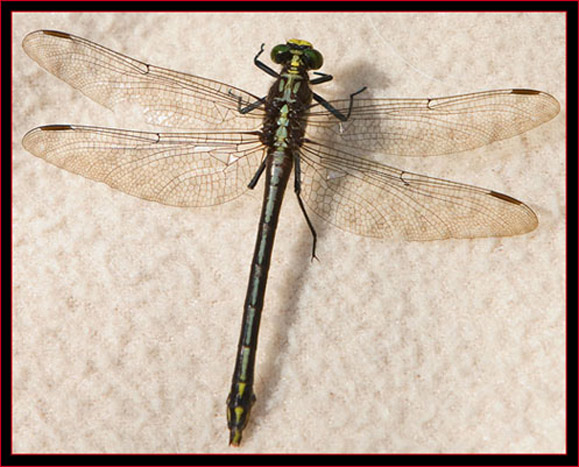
(29,141)
(528,224)
(551,105)
(39,35)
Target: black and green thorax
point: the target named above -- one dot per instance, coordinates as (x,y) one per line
(290,96)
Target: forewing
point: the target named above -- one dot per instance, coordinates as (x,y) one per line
(178,169)
(429,127)
(376,200)
(165,97)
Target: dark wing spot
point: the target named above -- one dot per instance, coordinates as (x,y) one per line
(63,35)
(506,198)
(56,127)
(530,92)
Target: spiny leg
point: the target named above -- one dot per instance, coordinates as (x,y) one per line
(323,78)
(250,107)
(298,189)
(257,175)
(335,112)
(262,66)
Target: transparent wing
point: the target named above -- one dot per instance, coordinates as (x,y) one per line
(178,169)
(165,97)
(375,200)
(428,127)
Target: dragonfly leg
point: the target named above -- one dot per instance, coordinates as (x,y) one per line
(255,178)
(335,112)
(323,78)
(310,225)
(247,108)
(352,100)
(262,66)
(298,189)
(250,107)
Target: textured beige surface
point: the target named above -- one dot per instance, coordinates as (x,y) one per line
(126,313)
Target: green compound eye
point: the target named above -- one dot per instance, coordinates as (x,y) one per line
(280,54)
(313,59)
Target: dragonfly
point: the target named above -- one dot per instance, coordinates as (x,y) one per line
(230,138)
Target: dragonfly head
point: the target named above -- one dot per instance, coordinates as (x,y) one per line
(296,53)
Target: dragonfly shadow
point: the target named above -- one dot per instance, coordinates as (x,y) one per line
(362,73)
